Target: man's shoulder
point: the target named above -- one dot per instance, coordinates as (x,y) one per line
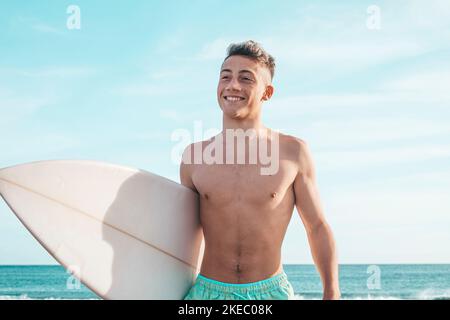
(294,145)
(298,150)
(199,144)
(191,149)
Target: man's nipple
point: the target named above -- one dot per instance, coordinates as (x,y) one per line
(273,195)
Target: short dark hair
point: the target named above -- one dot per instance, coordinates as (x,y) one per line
(254,51)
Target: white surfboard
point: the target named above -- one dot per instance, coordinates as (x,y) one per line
(125,233)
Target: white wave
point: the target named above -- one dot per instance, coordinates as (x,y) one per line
(370,297)
(26,297)
(434,294)
(428,294)
(21,297)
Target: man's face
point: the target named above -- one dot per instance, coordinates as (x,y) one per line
(243,85)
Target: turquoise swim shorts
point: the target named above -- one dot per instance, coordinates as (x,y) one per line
(274,288)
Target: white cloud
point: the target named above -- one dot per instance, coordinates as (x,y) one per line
(44,28)
(217,48)
(342,119)
(168,73)
(214,50)
(49,72)
(382,205)
(314,53)
(341,56)
(38,145)
(15,106)
(432,179)
(426,15)
(35,24)
(390,225)
(364,131)
(319,103)
(351,160)
(346,103)
(61,72)
(335,40)
(387,244)
(173,41)
(392,220)
(29,89)
(429,82)
(171,114)
(144,89)
(151,136)
(399,220)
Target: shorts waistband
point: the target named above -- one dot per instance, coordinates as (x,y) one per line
(263,285)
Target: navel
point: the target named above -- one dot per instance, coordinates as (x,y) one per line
(206,196)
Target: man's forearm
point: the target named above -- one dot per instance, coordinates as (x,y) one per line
(323,250)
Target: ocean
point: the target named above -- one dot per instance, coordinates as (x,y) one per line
(384,281)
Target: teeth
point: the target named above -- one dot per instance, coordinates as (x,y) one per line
(234,98)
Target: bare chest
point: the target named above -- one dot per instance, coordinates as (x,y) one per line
(225,185)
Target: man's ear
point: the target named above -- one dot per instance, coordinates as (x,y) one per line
(268,93)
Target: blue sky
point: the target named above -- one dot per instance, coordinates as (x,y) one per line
(373,105)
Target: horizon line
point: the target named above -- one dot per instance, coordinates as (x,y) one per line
(285,264)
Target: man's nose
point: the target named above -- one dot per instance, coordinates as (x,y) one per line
(233,85)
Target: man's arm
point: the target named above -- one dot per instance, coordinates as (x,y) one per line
(186,168)
(186,180)
(319,233)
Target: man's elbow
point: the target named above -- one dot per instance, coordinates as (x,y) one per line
(318,227)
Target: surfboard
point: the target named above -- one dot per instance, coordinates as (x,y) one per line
(123,232)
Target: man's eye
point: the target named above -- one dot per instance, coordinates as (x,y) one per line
(225,77)
(247,79)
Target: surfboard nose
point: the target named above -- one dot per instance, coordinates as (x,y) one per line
(9,175)
(9,172)
(3,179)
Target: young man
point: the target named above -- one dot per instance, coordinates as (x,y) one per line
(244,209)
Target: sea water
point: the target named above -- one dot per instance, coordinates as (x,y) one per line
(384,281)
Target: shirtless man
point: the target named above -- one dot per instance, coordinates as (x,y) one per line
(244,213)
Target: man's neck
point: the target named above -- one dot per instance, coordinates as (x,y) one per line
(243,124)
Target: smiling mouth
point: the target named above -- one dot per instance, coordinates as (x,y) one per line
(233,98)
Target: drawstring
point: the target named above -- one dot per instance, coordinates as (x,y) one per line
(242,297)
